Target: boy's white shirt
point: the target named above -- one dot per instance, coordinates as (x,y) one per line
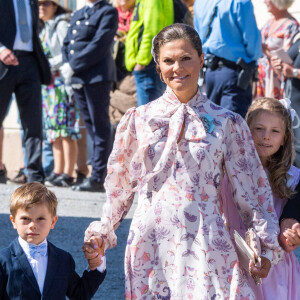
(40,262)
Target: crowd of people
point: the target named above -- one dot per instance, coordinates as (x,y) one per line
(205,123)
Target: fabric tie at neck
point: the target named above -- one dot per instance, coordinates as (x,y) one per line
(168,123)
(41,249)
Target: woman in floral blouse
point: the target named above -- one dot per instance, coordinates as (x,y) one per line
(173,152)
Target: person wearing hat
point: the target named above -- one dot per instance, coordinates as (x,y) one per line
(61,116)
(89,66)
(23,67)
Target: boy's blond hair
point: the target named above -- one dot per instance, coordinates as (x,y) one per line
(31,194)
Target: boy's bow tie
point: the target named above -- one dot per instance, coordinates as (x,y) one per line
(42,249)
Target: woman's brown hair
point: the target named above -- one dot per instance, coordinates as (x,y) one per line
(177,31)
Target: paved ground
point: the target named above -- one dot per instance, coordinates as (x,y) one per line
(76,210)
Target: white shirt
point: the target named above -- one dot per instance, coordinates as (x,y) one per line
(19,44)
(38,264)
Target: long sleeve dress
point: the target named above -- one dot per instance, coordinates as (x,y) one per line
(283,279)
(178,246)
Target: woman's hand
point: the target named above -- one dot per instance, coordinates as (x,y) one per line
(261,272)
(287,70)
(276,64)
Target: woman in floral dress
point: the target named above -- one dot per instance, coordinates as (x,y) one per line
(174,152)
(276,34)
(61,117)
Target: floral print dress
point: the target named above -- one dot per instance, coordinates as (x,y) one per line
(283,279)
(269,84)
(60,113)
(178,247)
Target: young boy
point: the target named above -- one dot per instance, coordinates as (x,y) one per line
(33,268)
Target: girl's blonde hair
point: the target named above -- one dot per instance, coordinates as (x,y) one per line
(279,163)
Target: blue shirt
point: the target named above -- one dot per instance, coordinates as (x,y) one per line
(234,32)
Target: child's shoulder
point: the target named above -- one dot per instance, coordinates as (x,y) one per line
(7,252)
(293,177)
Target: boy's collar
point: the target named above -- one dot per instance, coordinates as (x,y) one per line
(25,245)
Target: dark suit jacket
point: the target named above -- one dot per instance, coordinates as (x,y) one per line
(8,33)
(88,44)
(17,280)
(292,208)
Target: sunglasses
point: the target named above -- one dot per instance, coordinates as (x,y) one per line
(45,3)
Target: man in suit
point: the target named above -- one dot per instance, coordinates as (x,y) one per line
(32,268)
(23,67)
(90,68)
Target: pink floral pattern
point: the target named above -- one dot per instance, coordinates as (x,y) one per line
(283,279)
(178,246)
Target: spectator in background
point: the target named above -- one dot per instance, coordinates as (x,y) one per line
(291,74)
(228,32)
(277,33)
(89,66)
(124,96)
(190,5)
(61,117)
(3,177)
(23,67)
(149,17)
(125,11)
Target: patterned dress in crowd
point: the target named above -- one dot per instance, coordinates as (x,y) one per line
(269,84)
(60,114)
(178,247)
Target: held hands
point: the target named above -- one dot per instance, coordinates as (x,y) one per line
(94,252)
(8,58)
(289,237)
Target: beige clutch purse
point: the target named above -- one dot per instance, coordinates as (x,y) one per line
(249,250)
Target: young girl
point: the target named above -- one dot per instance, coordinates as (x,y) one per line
(270,123)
